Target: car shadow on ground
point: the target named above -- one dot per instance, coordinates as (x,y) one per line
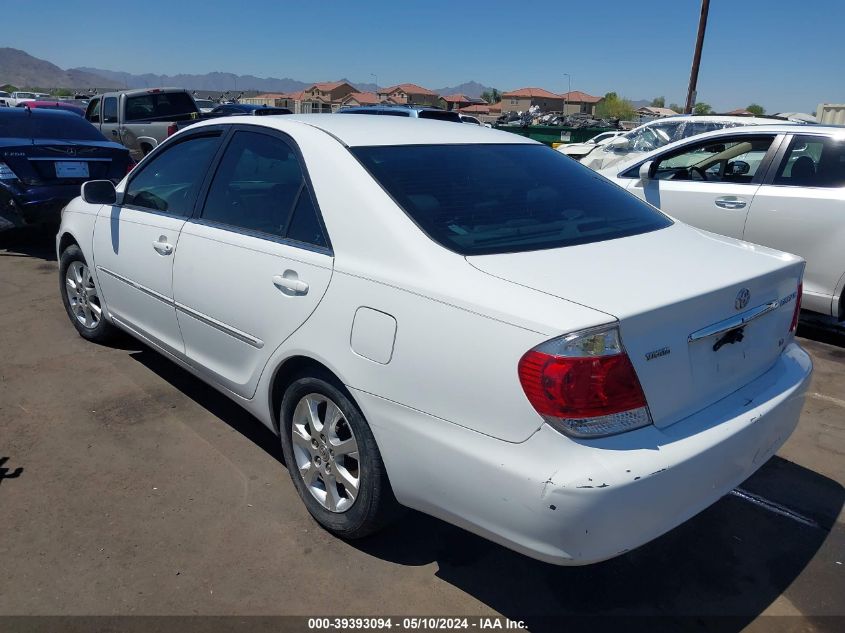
(30,242)
(718,571)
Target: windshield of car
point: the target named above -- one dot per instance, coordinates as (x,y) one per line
(47,124)
(652,137)
(480,199)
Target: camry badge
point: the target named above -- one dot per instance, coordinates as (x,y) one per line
(742,298)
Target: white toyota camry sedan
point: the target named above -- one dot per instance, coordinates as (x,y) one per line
(452,319)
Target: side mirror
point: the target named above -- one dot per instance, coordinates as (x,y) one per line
(647,170)
(99,192)
(738,168)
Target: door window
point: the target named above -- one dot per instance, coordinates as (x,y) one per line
(110,110)
(728,159)
(93,113)
(257,185)
(813,161)
(170,181)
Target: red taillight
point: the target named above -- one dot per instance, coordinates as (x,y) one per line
(584,384)
(798,294)
(172,129)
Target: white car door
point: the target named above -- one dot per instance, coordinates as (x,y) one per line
(135,241)
(254,263)
(801,209)
(709,184)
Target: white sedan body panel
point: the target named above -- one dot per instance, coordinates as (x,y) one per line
(428,343)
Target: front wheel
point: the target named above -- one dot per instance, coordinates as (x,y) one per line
(81,298)
(333,459)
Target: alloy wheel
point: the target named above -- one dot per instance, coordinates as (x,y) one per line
(326,452)
(82,295)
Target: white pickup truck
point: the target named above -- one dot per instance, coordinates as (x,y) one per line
(141,119)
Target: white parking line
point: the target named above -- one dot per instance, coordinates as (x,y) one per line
(821,396)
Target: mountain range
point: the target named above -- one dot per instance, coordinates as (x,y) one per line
(23,70)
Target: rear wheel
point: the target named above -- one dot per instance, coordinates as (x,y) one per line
(333,459)
(81,298)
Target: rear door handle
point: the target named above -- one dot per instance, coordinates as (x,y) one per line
(730,202)
(290,283)
(162,247)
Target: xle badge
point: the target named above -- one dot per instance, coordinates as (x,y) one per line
(663,351)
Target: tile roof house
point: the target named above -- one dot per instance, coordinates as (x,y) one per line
(359,99)
(409,93)
(326,96)
(458,101)
(656,112)
(522,99)
(580,102)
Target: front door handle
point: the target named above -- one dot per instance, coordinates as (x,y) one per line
(162,247)
(290,284)
(731,202)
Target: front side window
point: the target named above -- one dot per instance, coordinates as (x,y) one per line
(170,181)
(480,199)
(730,159)
(258,185)
(813,161)
(93,112)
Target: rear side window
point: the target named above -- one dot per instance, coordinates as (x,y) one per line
(160,106)
(483,199)
(813,161)
(170,181)
(256,185)
(93,112)
(440,115)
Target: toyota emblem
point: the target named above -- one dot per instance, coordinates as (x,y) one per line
(742,298)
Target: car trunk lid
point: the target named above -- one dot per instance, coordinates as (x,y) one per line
(53,161)
(679,295)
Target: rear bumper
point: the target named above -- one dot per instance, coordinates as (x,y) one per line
(22,205)
(574,502)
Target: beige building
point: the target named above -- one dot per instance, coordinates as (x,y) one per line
(359,99)
(577,102)
(522,99)
(409,94)
(325,97)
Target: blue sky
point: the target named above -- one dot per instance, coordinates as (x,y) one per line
(783,55)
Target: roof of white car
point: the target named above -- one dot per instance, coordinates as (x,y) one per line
(354,130)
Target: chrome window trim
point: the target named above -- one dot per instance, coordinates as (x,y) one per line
(284,241)
(74,159)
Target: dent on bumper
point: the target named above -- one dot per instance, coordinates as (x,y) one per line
(573,502)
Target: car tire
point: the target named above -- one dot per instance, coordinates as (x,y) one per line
(81,298)
(317,406)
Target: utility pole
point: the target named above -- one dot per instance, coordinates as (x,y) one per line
(566,98)
(696,58)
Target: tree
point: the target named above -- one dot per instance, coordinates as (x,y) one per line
(615,107)
(491,96)
(658,102)
(8,88)
(756,109)
(676,107)
(702,108)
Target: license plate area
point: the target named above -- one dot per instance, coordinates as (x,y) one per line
(71,169)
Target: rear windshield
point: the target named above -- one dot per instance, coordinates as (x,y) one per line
(162,106)
(482,199)
(48,125)
(440,115)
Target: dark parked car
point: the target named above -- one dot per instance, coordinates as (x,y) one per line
(54,105)
(235,109)
(45,156)
(418,112)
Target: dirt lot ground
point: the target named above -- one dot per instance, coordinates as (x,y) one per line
(128,487)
